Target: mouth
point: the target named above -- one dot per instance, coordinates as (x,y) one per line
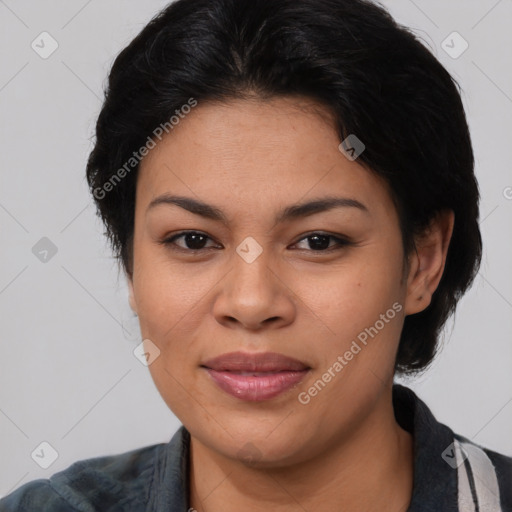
(257,376)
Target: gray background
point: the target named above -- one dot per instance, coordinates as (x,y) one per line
(68,375)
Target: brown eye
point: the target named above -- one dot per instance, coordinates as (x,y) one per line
(191,241)
(320,242)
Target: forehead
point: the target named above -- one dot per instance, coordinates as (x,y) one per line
(255,153)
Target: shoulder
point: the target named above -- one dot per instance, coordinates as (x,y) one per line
(487,472)
(113,482)
(32,496)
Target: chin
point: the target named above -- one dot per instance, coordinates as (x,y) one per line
(259,445)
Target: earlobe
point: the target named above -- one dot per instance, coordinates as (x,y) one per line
(426,264)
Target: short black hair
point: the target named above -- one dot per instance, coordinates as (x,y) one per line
(375,76)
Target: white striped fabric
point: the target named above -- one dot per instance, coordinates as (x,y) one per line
(482,478)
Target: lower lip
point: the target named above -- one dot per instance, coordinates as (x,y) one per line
(255,388)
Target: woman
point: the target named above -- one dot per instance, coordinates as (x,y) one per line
(289,188)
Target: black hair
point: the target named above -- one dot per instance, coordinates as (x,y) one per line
(376,78)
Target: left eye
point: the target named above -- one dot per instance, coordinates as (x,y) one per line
(320,242)
(195,241)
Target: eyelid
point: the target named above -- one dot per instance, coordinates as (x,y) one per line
(169,241)
(342,241)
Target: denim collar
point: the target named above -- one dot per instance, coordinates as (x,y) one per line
(169,488)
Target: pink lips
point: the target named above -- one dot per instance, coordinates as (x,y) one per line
(257,376)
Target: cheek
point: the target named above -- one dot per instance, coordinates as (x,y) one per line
(362,304)
(167,301)
(170,308)
(164,290)
(174,308)
(363,308)
(353,296)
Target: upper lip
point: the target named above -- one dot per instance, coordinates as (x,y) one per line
(255,362)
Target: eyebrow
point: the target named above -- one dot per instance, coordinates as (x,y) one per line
(291,212)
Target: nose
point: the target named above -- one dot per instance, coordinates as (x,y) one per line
(254,296)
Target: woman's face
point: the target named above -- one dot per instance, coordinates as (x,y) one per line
(263,276)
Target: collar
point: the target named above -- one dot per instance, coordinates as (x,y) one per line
(435,480)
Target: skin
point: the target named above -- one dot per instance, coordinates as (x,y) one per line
(251,158)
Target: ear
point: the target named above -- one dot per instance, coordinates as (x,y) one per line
(131,297)
(427,262)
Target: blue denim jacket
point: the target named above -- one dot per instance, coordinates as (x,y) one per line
(451,473)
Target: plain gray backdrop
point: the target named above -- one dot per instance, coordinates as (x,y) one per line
(68,375)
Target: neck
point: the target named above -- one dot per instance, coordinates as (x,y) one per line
(371,469)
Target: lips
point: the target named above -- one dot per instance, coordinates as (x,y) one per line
(257,376)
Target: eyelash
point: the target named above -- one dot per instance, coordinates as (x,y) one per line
(341,242)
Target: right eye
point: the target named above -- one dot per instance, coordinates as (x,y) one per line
(193,241)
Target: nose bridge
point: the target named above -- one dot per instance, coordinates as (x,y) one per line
(251,292)
(251,278)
